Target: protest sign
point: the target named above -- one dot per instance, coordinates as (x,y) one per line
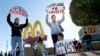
(55,8)
(18,10)
(64,46)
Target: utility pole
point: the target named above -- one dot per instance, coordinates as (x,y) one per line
(7,46)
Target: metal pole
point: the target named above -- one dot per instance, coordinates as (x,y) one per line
(7,46)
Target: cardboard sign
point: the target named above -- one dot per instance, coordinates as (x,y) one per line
(55,8)
(64,46)
(18,10)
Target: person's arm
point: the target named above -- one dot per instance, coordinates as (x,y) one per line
(47,22)
(24,25)
(63,17)
(8,20)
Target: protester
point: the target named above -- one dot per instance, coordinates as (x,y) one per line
(40,46)
(87,39)
(5,53)
(1,54)
(16,34)
(59,38)
(75,44)
(55,26)
(79,47)
(9,54)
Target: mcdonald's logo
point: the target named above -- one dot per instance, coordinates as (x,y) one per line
(33,30)
(92,29)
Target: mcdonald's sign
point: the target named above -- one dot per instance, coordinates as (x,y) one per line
(33,30)
(91,29)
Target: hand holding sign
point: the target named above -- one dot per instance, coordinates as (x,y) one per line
(18,10)
(64,10)
(55,8)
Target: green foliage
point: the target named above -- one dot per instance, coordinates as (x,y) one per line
(85,12)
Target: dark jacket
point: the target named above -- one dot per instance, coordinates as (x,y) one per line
(87,38)
(16,30)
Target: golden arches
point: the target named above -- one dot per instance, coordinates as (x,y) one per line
(92,29)
(33,30)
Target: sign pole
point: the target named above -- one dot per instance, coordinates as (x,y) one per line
(7,46)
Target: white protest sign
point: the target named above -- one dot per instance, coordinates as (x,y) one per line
(55,8)
(64,46)
(18,10)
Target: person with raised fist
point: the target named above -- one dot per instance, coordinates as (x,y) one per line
(55,26)
(16,29)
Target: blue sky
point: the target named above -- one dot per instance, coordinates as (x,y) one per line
(36,11)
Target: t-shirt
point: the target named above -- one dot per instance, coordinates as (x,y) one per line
(87,38)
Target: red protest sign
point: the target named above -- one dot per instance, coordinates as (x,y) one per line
(18,10)
(55,11)
(55,8)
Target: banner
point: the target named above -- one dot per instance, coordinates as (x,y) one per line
(64,46)
(18,10)
(55,8)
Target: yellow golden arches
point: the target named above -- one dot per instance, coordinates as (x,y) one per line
(41,28)
(25,32)
(92,29)
(33,30)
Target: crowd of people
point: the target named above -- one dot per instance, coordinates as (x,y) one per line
(56,34)
(87,41)
(40,48)
(17,53)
